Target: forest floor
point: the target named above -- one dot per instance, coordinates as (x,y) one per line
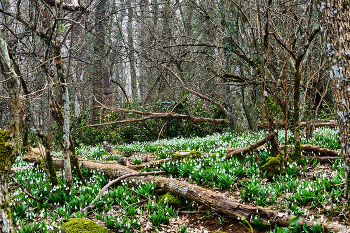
(312,190)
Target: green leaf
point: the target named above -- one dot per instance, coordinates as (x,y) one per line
(294,220)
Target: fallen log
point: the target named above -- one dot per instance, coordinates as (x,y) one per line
(320,150)
(206,197)
(15,169)
(155,163)
(231,152)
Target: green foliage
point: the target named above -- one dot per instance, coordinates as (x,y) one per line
(183,228)
(35,227)
(304,228)
(174,127)
(300,195)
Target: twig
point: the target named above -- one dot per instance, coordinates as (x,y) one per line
(25,191)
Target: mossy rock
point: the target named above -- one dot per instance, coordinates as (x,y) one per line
(274,165)
(79,225)
(186,154)
(170,199)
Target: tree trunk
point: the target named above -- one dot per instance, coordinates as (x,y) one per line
(9,140)
(100,52)
(296,116)
(66,121)
(334,18)
(131,52)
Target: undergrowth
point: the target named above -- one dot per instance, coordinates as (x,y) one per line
(303,190)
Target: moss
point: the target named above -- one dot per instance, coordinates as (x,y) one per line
(296,156)
(51,168)
(186,154)
(41,164)
(5,206)
(79,225)
(274,165)
(5,149)
(170,199)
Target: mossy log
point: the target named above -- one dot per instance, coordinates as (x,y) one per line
(231,152)
(213,200)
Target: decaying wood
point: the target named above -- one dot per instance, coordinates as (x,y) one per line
(116,181)
(213,200)
(231,152)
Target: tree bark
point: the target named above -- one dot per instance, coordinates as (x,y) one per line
(100,53)
(9,139)
(66,121)
(296,115)
(334,16)
(131,52)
